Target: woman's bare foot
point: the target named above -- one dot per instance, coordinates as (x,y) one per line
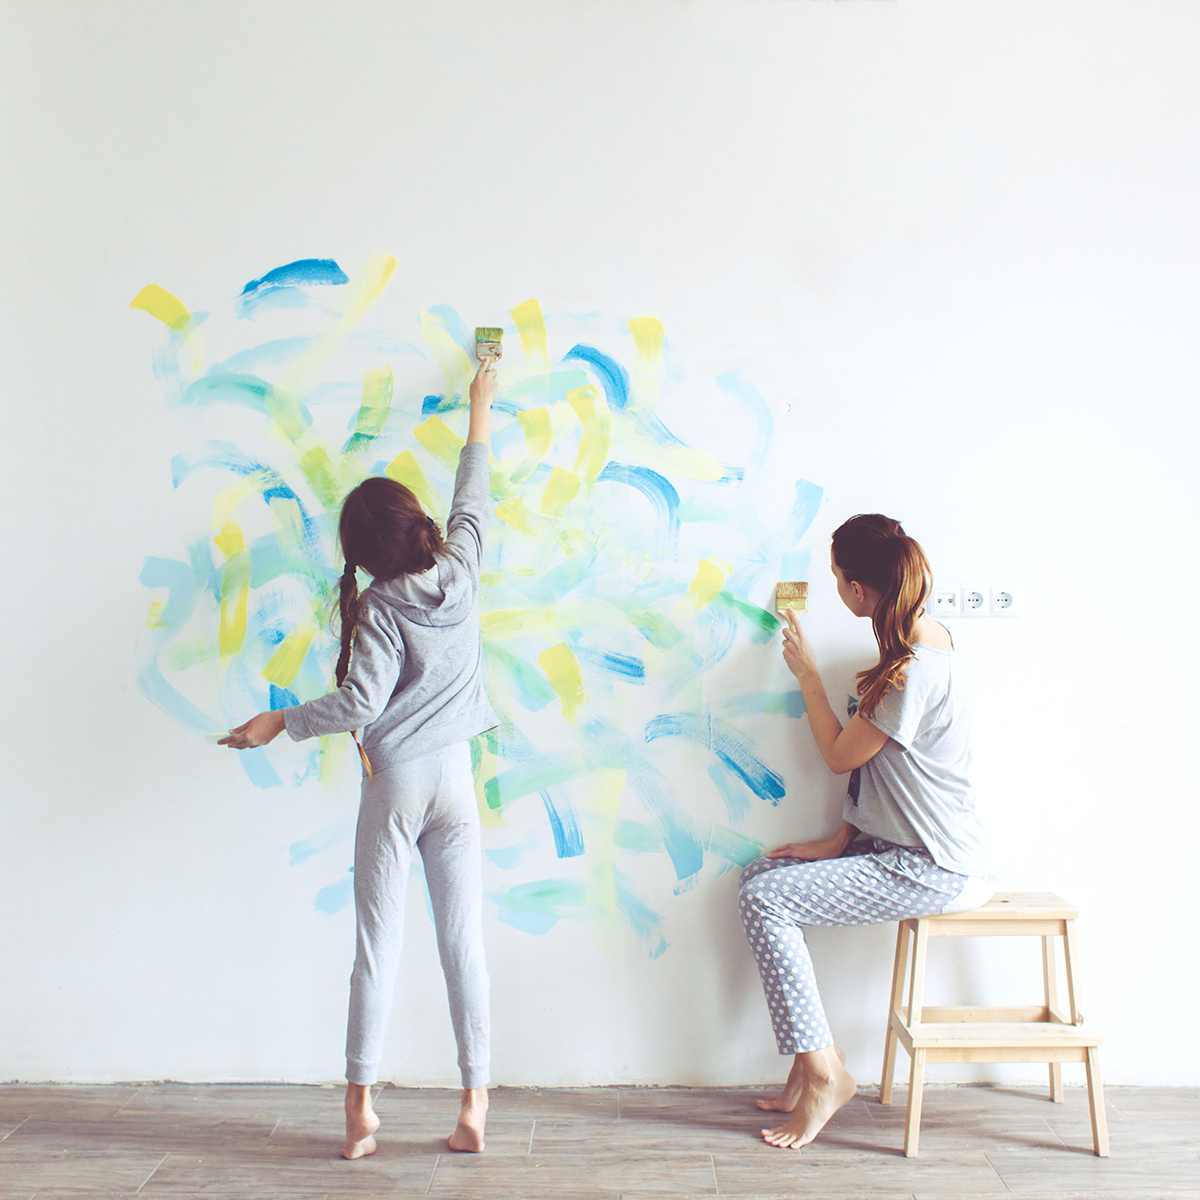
(468,1133)
(827,1086)
(785,1102)
(361,1122)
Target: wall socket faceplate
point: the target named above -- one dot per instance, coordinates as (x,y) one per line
(947,602)
(974,600)
(1004,601)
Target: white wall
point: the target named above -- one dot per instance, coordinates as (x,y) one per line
(954,245)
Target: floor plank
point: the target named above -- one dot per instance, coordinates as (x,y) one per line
(182,1142)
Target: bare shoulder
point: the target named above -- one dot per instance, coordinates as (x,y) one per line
(932,633)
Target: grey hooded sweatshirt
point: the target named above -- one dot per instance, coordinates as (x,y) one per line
(415,683)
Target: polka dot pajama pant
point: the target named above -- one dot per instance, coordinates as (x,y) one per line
(875,882)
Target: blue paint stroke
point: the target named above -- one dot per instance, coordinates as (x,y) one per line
(624,666)
(282,698)
(645,921)
(301,272)
(659,491)
(779,704)
(568,838)
(180,581)
(258,768)
(680,839)
(614,379)
(157,690)
(335,897)
(323,839)
(725,742)
(275,353)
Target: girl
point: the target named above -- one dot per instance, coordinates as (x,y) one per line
(910,842)
(413,684)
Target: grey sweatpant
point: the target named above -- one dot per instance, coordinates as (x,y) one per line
(875,881)
(429,803)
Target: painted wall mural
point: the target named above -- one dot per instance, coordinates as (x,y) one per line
(623,585)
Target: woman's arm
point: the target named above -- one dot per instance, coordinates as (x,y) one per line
(483,392)
(842,748)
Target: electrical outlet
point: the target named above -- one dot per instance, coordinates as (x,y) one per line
(974,601)
(1004,602)
(946,602)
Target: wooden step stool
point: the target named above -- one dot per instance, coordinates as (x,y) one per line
(1038,1033)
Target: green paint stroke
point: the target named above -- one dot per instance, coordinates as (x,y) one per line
(373,413)
(526,778)
(758,622)
(732,846)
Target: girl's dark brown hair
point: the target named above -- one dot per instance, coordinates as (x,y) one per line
(874,550)
(384,530)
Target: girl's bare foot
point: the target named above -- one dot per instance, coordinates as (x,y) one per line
(786,1101)
(468,1133)
(827,1086)
(361,1122)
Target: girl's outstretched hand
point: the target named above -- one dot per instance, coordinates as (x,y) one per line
(483,386)
(798,652)
(257,731)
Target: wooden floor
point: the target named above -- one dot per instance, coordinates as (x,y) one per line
(179,1141)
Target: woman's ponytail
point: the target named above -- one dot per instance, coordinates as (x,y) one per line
(874,550)
(348,610)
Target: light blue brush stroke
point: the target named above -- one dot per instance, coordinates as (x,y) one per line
(335,896)
(323,839)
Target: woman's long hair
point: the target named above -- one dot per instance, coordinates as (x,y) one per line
(384,530)
(874,550)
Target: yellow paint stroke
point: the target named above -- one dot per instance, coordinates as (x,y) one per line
(531,325)
(154,616)
(667,459)
(405,469)
(331,757)
(441,441)
(161,305)
(323,475)
(708,581)
(457,365)
(378,386)
(553,620)
(594,443)
(513,511)
(603,806)
(648,338)
(289,656)
(284,402)
(561,488)
(289,526)
(235,589)
(562,669)
(229,500)
(539,435)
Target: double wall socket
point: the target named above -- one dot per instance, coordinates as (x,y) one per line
(975,600)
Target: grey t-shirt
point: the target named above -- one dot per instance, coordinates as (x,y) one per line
(415,683)
(917,791)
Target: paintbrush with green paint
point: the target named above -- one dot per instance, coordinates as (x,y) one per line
(488,341)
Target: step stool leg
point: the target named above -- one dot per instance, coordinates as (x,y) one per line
(890,1040)
(1096,1104)
(1050,979)
(1071,960)
(912,1122)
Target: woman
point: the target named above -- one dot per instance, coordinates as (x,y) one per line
(413,685)
(910,843)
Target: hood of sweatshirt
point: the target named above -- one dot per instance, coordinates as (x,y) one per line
(416,597)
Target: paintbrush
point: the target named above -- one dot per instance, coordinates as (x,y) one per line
(791,595)
(487,341)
